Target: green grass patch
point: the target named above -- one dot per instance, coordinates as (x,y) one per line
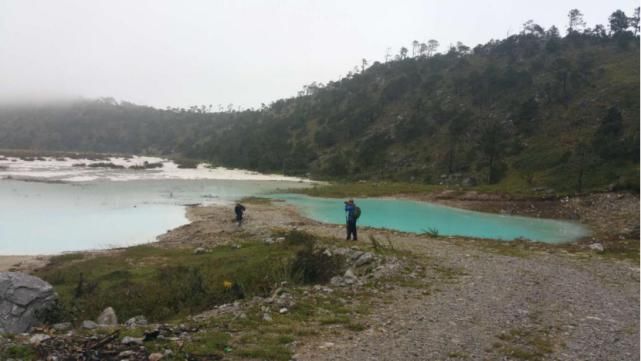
(166,284)
(367,189)
(18,352)
(65,258)
(208,344)
(524,344)
(624,249)
(256,200)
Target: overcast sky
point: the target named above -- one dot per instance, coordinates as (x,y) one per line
(245,52)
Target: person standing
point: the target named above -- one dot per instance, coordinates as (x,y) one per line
(239,209)
(352,212)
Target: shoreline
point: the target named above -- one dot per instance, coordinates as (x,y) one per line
(590,211)
(450,287)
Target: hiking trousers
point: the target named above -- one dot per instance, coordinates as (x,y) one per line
(351,230)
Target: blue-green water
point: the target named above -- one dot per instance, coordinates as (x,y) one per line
(413,216)
(46,218)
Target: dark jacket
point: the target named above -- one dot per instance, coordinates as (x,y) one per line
(239,209)
(350,210)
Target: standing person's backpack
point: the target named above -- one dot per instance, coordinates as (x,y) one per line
(357,212)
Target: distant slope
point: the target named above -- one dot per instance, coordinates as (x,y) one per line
(533,110)
(528,107)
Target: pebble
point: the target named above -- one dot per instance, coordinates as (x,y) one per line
(128,340)
(38,338)
(89,325)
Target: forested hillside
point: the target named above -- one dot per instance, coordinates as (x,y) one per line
(536,109)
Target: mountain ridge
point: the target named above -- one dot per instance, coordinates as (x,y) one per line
(532,110)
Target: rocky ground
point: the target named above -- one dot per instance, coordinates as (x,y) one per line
(540,306)
(468,299)
(493,302)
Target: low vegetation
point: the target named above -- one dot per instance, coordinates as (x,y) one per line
(165,284)
(173,285)
(366,189)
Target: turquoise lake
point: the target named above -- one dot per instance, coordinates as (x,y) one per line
(414,216)
(49,218)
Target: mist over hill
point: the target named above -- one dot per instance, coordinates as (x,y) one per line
(534,110)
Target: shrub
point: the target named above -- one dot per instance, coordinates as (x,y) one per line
(315,266)
(298,238)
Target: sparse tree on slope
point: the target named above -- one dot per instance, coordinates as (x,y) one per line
(422,49)
(634,21)
(492,143)
(576,22)
(608,138)
(432,46)
(403,53)
(618,22)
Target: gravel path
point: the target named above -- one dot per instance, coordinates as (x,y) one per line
(480,303)
(540,307)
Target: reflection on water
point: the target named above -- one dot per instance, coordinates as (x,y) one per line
(44,218)
(411,216)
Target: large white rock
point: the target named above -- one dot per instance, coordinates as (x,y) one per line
(21,297)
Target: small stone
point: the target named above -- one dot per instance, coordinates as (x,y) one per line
(200,250)
(326,345)
(107,317)
(135,321)
(127,353)
(36,339)
(597,247)
(89,325)
(283,310)
(128,340)
(349,274)
(156,356)
(364,259)
(278,291)
(63,326)
(267,317)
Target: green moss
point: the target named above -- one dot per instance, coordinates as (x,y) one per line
(20,352)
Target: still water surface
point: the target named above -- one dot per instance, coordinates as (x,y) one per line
(45,218)
(94,208)
(412,216)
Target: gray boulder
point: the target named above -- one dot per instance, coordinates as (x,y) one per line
(21,297)
(107,317)
(136,321)
(89,325)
